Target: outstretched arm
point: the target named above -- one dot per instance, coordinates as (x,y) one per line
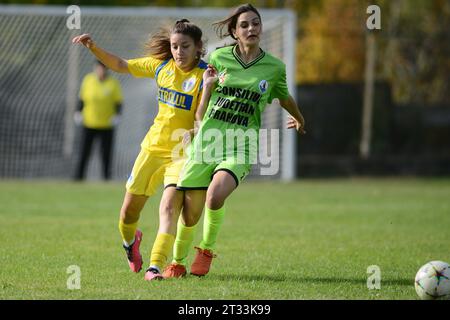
(296,120)
(110,60)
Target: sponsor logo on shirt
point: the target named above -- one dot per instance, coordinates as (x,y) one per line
(188,84)
(222,76)
(175,99)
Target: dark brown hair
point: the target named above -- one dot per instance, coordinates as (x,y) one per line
(158,45)
(230,22)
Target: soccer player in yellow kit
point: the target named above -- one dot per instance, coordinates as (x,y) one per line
(175,63)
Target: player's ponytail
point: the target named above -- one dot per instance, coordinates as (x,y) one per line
(182,21)
(158,45)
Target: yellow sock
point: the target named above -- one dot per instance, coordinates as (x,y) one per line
(162,247)
(127,231)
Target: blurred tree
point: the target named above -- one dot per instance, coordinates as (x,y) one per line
(330,46)
(416,59)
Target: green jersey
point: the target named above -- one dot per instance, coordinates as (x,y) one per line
(233,118)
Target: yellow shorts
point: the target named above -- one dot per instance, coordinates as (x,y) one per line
(150,171)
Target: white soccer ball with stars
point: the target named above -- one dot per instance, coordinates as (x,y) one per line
(433,281)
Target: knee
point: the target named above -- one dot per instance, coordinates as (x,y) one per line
(129,214)
(189,220)
(214,200)
(192,217)
(168,210)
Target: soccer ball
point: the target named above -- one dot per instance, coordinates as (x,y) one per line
(433,281)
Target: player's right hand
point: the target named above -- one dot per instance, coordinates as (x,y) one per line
(85,39)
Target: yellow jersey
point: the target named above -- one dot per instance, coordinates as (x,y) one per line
(100,99)
(178,95)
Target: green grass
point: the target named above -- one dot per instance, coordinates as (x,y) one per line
(313,239)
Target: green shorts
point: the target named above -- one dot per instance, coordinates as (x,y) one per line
(198,176)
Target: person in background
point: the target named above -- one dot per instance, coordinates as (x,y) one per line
(99,109)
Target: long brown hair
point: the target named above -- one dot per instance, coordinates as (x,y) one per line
(158,45)
(230,22)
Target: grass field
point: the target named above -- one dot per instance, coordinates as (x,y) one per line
(313,239)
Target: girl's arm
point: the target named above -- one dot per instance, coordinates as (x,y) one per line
(110,60)
(296,120)
(203,104)
(209,81)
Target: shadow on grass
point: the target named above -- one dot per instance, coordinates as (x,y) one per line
(299,279)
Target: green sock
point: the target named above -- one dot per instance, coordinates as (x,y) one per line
(183,242)
(211,226)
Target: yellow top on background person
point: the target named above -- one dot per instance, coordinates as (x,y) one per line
(100,99)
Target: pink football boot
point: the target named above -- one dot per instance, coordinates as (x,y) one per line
(153,274)
(133,254)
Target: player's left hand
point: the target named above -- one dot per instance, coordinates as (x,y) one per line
(299,126)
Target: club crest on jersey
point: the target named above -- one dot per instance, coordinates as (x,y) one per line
(188,84)
(222,76)
(263,85)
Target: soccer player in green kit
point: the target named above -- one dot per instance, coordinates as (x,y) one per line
(240,81)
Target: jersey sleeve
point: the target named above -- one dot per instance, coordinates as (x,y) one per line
(280,90)
(143,67)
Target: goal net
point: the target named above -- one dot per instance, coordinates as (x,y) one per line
(41,72)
